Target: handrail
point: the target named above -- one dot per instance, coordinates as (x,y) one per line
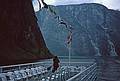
(92,75)
(88,73)
(78,62)
(77,75)
(18,65)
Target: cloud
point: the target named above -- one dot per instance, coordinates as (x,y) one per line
(50,1)
(35,5)
(112,4)
(64,2)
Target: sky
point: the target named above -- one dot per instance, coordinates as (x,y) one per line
(111,4)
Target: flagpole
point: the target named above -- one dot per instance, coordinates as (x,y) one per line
(69,49)
(69,46)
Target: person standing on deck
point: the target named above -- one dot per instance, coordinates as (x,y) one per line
(55,64)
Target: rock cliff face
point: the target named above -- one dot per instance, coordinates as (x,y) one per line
(96,30)
(20,38)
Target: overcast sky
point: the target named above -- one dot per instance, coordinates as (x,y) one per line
(111,4)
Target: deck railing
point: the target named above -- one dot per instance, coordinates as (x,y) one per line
(24,72)
(89,74)
(77,71)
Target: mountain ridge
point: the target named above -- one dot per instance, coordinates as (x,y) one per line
(95,27)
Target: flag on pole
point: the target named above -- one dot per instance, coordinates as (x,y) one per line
(69,38)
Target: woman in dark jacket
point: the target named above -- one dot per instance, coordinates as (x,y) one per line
(55,64)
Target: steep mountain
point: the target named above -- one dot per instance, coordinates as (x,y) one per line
(95,30)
